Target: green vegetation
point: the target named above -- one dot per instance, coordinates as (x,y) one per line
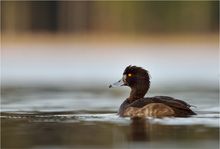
(110,16)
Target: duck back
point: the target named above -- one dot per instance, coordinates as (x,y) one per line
(158,106)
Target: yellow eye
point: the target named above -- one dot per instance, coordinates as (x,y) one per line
(129,75)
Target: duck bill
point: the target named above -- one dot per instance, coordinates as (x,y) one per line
(117,84)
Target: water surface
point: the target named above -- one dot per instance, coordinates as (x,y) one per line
(57,117)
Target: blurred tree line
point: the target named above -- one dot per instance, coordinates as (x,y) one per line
(110,16)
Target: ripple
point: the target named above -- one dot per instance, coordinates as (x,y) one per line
(209,120)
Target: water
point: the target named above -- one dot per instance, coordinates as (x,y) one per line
(56,96)
(69,117)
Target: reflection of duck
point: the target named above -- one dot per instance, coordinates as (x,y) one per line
(139,129)
(137,106)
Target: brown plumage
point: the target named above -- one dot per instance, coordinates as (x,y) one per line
(137,106)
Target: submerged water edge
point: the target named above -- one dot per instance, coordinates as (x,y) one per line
(98,129)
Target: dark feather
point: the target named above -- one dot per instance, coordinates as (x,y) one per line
(181,108)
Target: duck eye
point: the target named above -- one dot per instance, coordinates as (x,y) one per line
(129,75)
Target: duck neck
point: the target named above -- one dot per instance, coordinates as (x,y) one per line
(138,91)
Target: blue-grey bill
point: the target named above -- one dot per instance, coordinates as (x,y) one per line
(117,84)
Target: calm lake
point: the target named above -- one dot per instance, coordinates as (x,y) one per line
(56,95)
(68,117)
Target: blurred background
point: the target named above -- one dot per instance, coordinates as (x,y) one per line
(58,58)
(51,42)
(81,46)
(117,17)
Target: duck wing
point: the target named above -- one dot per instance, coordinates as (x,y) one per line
(180,107)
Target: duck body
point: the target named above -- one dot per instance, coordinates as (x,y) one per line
(136,105)
(158,106)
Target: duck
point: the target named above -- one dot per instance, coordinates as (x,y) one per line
(137,105)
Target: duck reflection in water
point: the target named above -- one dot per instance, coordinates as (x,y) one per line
(138,131)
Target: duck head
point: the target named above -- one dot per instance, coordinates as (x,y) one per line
(137,79)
